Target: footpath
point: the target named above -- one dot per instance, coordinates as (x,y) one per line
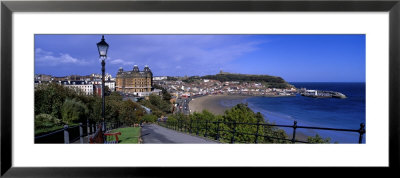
(152,133)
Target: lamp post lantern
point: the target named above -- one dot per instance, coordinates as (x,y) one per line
(102,46)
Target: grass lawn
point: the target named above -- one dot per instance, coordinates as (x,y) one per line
(128,134)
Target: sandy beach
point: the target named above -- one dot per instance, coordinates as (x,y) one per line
(216,104)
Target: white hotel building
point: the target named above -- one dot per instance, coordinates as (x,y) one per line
(83,86)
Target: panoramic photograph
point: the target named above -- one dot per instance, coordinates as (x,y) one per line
(199,89)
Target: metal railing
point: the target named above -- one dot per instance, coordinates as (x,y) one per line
(73,134)
(230,131)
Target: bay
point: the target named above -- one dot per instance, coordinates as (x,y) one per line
(346,113)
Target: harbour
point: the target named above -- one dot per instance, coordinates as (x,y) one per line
(321,94)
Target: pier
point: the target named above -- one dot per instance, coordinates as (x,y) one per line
(322,94)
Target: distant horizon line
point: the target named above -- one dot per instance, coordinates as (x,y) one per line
(248,74)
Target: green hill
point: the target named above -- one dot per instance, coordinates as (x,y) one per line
(266,80)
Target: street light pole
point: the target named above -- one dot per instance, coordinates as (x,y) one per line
(103,106)
(102,46)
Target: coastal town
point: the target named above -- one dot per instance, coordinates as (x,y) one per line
(176,86)
(180,88)
(136,85)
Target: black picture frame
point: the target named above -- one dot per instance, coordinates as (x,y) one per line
(8,7)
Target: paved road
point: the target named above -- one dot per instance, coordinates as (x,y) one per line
(153,133)
(183,105)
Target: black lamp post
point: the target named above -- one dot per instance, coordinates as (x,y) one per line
(102,46)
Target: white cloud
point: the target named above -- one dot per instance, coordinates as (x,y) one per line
(192,54)
(121,62)
(44,57)
(42,52)
(165,54)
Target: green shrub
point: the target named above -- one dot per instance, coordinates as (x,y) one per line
(46,121)
(73,111)
(130,112)
(49,98)
(318,139)
(150,118)
(233,118)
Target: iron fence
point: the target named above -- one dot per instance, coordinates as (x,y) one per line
(233,132)
(72,134)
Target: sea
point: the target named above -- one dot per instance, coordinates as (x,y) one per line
(346,113)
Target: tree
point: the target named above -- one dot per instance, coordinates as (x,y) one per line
(107,91)
(156,101)
(115,96)
(94,105)
(50,97)
(318,139)
(112,111)
(271,81)
(154,110)
(73,111)
(46,120)
(130,112)
(149,118)
(165,95)
(242,114)
(172,120)
(232,118)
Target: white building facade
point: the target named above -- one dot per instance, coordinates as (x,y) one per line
(82,86)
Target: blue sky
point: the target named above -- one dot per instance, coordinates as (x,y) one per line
(295,58)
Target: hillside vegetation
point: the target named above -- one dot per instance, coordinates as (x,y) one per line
(266,80)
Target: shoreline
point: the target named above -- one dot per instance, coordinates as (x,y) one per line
(212,103)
